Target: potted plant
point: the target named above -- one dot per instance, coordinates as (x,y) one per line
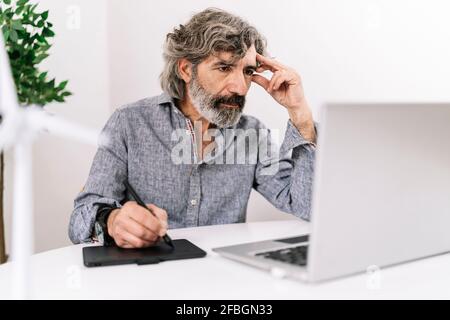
(27,32)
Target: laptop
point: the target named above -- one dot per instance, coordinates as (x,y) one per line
(381,194)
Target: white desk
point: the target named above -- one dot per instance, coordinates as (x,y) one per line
(60,274)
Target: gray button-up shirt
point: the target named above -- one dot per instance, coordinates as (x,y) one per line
(150,144)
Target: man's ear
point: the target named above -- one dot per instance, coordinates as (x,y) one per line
(185,69)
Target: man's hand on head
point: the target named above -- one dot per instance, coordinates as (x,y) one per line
(132,226)
(286,88)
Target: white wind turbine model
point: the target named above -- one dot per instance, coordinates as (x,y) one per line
(18,128)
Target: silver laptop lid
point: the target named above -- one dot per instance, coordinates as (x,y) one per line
(382,187)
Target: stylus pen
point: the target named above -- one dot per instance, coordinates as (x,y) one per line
(130,189)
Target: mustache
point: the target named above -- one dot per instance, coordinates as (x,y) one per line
(234,99)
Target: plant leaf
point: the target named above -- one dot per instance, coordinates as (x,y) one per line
(17,25)
(13,35)
(40,58)
(44,15)
(22,2)
(43,75)
(48,33)
(6,35)
(63,85)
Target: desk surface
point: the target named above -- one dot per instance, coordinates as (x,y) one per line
(60,274)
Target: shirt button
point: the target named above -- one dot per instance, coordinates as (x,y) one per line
(193,202)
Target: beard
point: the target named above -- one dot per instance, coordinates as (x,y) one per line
(211,106)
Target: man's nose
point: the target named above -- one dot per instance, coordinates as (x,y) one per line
(238,85)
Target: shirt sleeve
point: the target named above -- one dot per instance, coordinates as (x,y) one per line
(104,185)
(285,178)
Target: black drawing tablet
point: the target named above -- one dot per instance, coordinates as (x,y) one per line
(107,256)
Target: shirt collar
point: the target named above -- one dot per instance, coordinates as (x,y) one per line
(164,98)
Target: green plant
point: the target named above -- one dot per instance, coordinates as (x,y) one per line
(26,34)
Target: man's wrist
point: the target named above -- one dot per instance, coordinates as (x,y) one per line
(110,220)
(303,121)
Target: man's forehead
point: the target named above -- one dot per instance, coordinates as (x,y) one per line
(229,57)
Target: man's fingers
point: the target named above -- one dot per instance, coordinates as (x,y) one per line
(272,64)
(263,82)
(277,77)
(128,240)
(280,77)
(135,242)
(263,68)
(137,227)
(161,214)
(140,230)
(279,81)
(124,244)
(146,218)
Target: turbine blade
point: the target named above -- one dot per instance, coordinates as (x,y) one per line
(40,120)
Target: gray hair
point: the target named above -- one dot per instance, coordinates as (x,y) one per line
(208,32)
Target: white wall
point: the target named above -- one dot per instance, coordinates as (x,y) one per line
(347,50)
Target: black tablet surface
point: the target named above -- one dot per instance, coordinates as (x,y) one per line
(107,256)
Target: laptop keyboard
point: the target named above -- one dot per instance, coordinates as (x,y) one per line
(294,255)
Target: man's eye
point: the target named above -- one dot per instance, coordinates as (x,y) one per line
(249,72)
(224,69)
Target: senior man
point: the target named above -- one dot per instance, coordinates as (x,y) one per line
(175,148)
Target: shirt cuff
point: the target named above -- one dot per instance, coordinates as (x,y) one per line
(293,138)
